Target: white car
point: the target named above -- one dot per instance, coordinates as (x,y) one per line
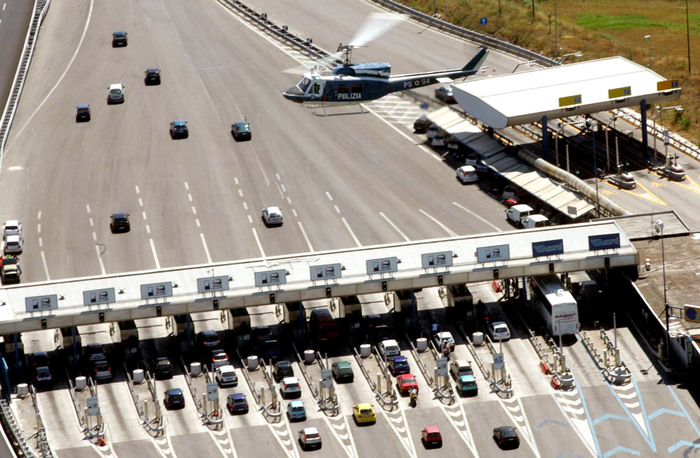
(219,358)
(309,438)
(290,388)
(13,244)
(272,216)
(499,330)
(226,376)
(467,174)
(388,349)
(116,93)
(444,338)
(12,227)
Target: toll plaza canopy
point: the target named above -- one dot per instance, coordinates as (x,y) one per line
(566,90)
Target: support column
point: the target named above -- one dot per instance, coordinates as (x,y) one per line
(645,141)
(545,139)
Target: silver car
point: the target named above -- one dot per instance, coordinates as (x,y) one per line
(309,438)
(272,216)
(13,244)
(12,227)
(102,370)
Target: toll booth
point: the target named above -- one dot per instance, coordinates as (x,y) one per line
(349,314)
(403,301)
(126,335)
(239,323)
(68,339)
(294,319)
(460,305)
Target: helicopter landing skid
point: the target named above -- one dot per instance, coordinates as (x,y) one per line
(325,113)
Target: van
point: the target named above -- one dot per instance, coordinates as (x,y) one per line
(535,220)
(517,213)
(322,326)
(116,93)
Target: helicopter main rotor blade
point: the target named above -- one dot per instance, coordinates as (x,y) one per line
(376,25)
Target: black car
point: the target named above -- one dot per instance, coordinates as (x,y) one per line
(420,125)
(282,369)
(94,352)
(163,368)
(241,131)
(342,372)
(506,437)
(152,77)
(178,129)
(119,39)
(444,93)
(83,113)
(174,399)
(120,223)
(207,340)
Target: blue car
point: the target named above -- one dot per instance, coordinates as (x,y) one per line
(296,411)
(399,365)
(237,403)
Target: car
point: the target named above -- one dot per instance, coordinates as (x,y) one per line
(152,77)
(272,216)
(467,174)
(398,365)
(405,383)
(445,94)
(42,375)
(13,245)
(342,371)
(94,352)
(290,388)
(115,94)
(438,140)
(218,358)
(364,413)
(208,340)
(163,368)
(119,39)
(269,349)
(309,438)
(464,378)
(237,403)
(82,113)
(296,411)
(261,333)
(506,437)
(376,328)
(388,348)
(432,131)
(430,437)
(420,125)
(12,227)
(101,369)
(282,369)
(623,181)
(179,129)
(499,330)
(39,359)
(241,131)
(226,376)
(119,222)
(174,399)
(444,339)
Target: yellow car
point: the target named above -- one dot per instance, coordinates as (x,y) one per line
(364,413)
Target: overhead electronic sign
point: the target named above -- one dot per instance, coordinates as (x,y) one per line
(156,290)
(438,259)
(382,265)
(99,296)
(326,272)
(270,278)
(493,253)
(212,284)
(41,303)
(547,248)
(570,100)
(603,242)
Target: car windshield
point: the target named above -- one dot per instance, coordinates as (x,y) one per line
(400,363)
(409,380)
(365,411)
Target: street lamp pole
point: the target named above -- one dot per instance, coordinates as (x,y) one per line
(593,126)
(659,228)
(687,32)
(648,38)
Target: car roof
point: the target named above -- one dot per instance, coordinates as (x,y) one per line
(179,122)
(40,353)
(406,376)
(467,168)
(388,342)
(432,429)
(241,123)
(119,32)
(398,359)
(499,323)
(283,363)
(296,403)
(12,222)
(444,334)
(342,364)
(13,238)
(151,70)
(363,405)
(290,380)
(237,396)
(310,430)
(83,105)
(174,391)
(226,367)
(207,332)
(115,86)
(119,215)
(273,209)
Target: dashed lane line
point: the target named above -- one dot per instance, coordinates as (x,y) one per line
(396,228)
(449,231)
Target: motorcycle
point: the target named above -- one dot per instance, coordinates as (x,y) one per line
(413,397)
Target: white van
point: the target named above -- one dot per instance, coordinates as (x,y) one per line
(467,174)
(116,93)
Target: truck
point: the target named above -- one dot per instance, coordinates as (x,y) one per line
(10,271)
(521,216)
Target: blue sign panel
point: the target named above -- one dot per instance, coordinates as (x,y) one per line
(547,248)
(603,242)
(483,21)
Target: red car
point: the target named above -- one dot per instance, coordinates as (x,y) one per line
(405,382)
(431,437)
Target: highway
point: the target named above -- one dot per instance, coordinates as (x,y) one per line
(341,181)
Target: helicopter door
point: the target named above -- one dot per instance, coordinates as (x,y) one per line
(316,88)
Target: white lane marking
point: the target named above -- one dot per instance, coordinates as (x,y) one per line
(245,206)
(337,210)
(38,226)
(99,257)
(257,240)
(283,188)
(476,216)
(41,242)
(155,255)
(306,237)
(38,215)
(94,236)
(187,186)
(196,220)
(3,6)
(329,196)
(46,267)
(240,192)
(143,214)
(235,180)
(250,219)
(206,249)
(445,228)
(294,212)
(140,202)
(289,200)
(277,175)
(92,223)
(351,232)
(87,207)
(148,229)
(194,210)
(189,196)
(394,226)
(138,191)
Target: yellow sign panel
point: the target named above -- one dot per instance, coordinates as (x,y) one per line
(570,100)
(619,92)
(668,85)
(691,313)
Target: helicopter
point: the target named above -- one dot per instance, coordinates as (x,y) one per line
(354,83)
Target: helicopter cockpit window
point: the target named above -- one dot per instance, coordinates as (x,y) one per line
(303,84)
(316,90)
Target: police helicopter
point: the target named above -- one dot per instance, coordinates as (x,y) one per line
(353,83)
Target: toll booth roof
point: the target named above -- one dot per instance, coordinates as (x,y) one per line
(565,90)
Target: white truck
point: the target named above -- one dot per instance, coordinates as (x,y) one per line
(521,215)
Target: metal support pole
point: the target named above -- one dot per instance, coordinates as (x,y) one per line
(645,140)
(545,138)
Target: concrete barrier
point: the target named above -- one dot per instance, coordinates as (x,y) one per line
(421,344)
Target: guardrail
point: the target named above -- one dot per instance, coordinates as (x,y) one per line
(247,378)
(305,373)
(421,365)
(145,422)
(41,439)
(437,390)
(76,403)
(618,374)
(40,9)
(14,430)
